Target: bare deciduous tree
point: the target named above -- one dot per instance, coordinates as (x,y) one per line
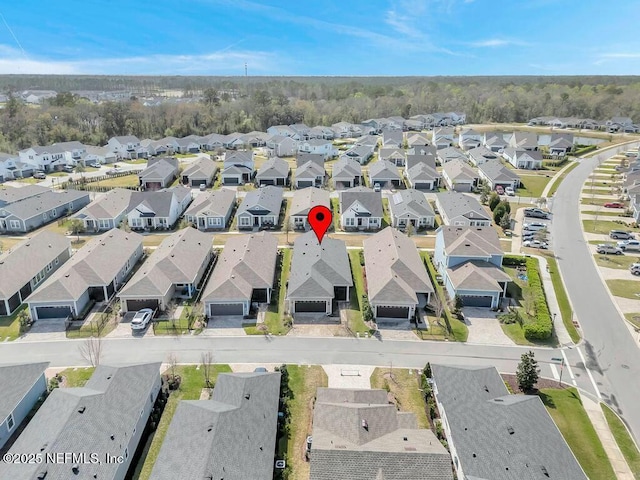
(438,306)
(207,366)
(173,363)
(91,350)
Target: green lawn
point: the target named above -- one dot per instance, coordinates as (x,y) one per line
(623,439)
(30,180)
(171,327)
(634,318)
(335,209)
(386,219)
(563,301)
(565,407)
(185,155)
(404,388)
(587,190)
(625,288)
(58,174)
(606,213)
(137,161)
(600,184)
(77,377)
(274,317)
(190,388)
(10,326)
(124,181)
(556,183)
(91,329)
(533,185)
(356,324)
(605,226)
(617,261)
(601,201)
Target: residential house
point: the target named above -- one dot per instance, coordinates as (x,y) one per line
(417,140)
(125,147)
(284,131)
(174,269)
(460,177)
(442,142)
(26,265)
(524,141)
(359,153)
(397,281)
(155,147)
(22,386)
(413,125)
(255,139)
(385,174)
(274,171)
(281,146)
(392,138)
(458,118)
(73,151)
(160,173)
(106,212)
(320,275)
(157,210)
(469,138)
(318,146)
(200,172)
(212,142)
(447,133)
(470,262)
(494,141)
(231,436)
(445,155)
(47,159)
(98,156)
(310,170)
(495,173)
(479,155)
(104,419)
(95,272)
(359,435)
(260,208)
(360,209)
(302,202)
(189,144)
(524,159)
(560,144)
(301,129)
(244,274)
(10,195)
(347,173)
(621,124)
(12,168)
(379,124)
(370,141)
(458,209)
(238,168)
(421,172)
(35,211)
(213,210)
(411,207)
(322,132)
(493,434)
(395,155)
(396,123)
(346,130)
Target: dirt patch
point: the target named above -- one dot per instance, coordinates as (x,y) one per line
(512,384)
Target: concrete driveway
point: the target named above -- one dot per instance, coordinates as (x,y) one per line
(45,330)
(123,329)
(224,326)
(484,327)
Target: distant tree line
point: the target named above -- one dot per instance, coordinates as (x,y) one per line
(259,102)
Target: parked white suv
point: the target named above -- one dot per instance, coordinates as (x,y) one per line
(509,191)
(626,245)
(635,268)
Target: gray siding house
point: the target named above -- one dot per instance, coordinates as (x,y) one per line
(24,267)
(107,212)
(411,207)
(160,173)
(260,208)
(21,386)
(361,209)
(274,171)
(304,200)
(212,211)
(461,210)
(347,173)
(200,172)
(105,417)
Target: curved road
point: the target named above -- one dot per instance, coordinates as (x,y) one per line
(609,348)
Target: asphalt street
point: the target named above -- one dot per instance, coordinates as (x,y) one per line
(608,349)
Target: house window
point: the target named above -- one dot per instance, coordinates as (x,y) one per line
(136,222)
(15,224)
(162,221)
(373,221)
(214,220)
(10,422)
(350,221)
(298,220)
(244,221)
(104,223)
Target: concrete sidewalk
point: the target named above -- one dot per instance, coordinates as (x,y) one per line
(618,462)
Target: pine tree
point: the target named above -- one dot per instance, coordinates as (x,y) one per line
(527,372)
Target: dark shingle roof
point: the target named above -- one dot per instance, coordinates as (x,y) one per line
(410,201)
(13,194)
(273,168)
(369,199)
(499,436)
(15,382)
(215,203)
(306,198)
(44,202)
(267,198)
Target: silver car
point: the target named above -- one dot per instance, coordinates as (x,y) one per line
(141,319)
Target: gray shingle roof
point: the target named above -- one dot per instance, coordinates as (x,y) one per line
(110,205)
(459,170)
(388,446)
(215,203)
(159,168)
(391,152)
(481,154)
(157,202)
(178,259)
(15,382)
(306,198)
(395,272)
(410,202)
(455,204)
(369,199)
(310,171)
(247,262)
(477,275)
(499,436)
(495,139)
(317,268)
(263,199)
(523,140)
(203,168)
(316,158)
(22,262)
(124,139)
(470,241)
(275,167)
(446,155)
(232,158)
(346,169)
(44,202)
(428,158)
(497,171)
(111,403)
(96,263)
(384,170)
(422,172)
(231,436)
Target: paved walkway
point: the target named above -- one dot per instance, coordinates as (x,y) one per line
(349,376)
(516,237)
(619,464)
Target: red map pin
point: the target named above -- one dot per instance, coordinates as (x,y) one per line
(320,218)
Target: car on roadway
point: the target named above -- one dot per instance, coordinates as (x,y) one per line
(535,244)
(68,168)
(607,248)
(614,205)
(621,235)
(114,171)
(627,245)
(141,319)
(534,226)
(535,212)
(39,175)
(510,191)
(634,268)
(500,190)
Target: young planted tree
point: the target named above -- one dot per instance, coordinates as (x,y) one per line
(438,306)
(527,372)
(206,359)
(91,350)
(484,193)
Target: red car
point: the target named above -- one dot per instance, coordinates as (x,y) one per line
(500,190)
(614,205)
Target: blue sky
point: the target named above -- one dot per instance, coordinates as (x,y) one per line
(319,37)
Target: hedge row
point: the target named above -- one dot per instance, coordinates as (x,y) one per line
(512,261)
(542,328)
(583,150)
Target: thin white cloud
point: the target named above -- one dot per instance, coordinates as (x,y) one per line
(498,42)
(613,56)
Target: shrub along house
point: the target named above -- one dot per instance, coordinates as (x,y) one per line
(320,275)
(94,273)
(212,211)
(174,270)
(244,274)
(24,267)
